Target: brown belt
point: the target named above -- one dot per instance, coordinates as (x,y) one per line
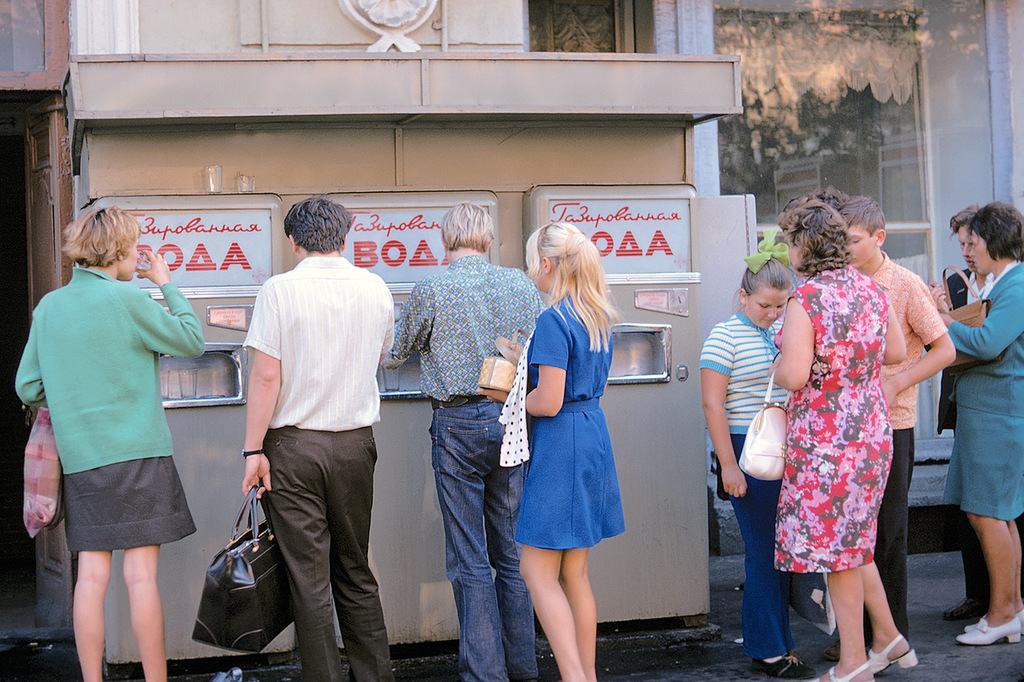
(456,400)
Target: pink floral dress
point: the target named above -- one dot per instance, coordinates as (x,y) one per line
(840,441)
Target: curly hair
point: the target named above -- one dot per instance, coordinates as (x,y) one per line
(819,231)
(318,224)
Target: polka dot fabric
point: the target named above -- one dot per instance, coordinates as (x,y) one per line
(515,447)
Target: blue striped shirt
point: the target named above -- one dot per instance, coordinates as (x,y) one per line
(742,351)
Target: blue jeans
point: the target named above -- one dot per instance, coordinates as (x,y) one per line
(479,502)
(766,632)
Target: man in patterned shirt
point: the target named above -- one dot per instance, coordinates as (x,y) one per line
(452,320)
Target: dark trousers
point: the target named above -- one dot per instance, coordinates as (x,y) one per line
(320,510)
(893,517)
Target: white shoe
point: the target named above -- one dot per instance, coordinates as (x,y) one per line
(880,661)
(847,678)
(974,626)
(984,634)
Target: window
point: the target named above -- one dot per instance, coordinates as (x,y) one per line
(21,35)
(831,97)
(591,25)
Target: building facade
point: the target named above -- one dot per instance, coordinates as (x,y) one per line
(910,102)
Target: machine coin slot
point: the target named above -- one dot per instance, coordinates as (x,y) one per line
(217,377)
(642,354)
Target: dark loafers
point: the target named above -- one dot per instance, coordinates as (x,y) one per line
(969,608)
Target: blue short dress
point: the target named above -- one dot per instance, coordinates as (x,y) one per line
(571,495)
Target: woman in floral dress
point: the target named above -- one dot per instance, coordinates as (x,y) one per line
(838,332)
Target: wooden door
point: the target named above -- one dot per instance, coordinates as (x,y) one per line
(48,200)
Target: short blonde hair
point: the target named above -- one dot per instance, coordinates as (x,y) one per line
(101,237)
(467,226)
(579,276)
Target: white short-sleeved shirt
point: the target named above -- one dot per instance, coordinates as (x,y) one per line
(329,323)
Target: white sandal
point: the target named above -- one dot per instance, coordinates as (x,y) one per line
(880,661)
(847,678)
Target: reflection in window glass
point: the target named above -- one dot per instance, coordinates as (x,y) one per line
(830,98)
(21,35)
(909,248)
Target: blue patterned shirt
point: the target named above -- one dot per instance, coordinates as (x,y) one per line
(453,318)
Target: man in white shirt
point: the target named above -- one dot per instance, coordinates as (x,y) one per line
(317,335)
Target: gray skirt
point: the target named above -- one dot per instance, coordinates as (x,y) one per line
(137,503)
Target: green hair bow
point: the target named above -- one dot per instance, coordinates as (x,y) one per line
(767,249)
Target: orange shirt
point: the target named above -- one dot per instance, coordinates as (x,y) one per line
(921,325)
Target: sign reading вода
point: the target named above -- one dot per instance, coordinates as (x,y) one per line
(399,244)
(633,235)
(209,246)
(637,229)
(398,235)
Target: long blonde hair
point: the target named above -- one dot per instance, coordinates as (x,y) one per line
(579,276)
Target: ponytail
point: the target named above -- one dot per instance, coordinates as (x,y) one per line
(579,276)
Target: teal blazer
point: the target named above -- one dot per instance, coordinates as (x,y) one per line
(996,387)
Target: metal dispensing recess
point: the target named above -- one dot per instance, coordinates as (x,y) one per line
(217,377)
(642,354)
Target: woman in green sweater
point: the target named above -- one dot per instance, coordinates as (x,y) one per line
(93,358)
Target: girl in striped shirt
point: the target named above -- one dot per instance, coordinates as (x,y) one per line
(734,369)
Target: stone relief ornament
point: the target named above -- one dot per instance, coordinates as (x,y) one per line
(391,20)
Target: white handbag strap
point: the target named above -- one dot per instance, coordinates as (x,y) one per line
(771,387)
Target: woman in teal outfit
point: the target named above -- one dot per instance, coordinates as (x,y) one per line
(986,469)
(93,357)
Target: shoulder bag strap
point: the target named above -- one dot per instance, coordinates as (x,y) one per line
(967,280)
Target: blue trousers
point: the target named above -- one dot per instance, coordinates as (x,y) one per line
(479,502)
(766,631)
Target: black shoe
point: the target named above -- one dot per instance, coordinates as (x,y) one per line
(831,653)
(789,667)
(969,608)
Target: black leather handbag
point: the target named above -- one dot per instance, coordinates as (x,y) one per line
(245,602)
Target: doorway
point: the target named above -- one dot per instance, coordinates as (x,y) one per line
(17,570)
(35,167)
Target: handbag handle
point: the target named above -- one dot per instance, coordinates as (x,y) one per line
(771,387)
(967,280)
(249,509)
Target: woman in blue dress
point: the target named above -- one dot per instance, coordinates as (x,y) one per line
(571,495)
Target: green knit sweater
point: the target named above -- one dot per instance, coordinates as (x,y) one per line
(93,358)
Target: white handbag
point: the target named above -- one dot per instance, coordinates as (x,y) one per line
(764,450)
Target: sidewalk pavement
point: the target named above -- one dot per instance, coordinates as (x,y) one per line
(706,653)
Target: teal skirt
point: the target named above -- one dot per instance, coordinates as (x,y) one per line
(986,469)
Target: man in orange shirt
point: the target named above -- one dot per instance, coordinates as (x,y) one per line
(921,325)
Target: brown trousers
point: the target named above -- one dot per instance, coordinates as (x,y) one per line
(320,511)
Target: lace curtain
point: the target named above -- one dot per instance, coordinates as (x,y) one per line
(789,53)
